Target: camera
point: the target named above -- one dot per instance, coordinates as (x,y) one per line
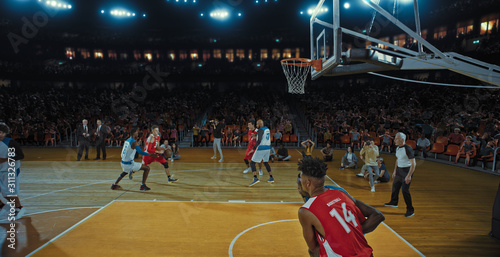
(368,143)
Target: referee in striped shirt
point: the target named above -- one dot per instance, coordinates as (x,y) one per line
(403,172)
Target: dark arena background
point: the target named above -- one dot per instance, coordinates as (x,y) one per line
(181,64)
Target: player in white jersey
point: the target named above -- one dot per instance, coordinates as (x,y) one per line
(261,152)
(130,147)
(11,155)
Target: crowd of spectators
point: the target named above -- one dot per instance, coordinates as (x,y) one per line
(240,105)
(382,106)
(40,114)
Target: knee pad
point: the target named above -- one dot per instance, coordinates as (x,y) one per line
(246,161)
(268,168)
(165,165)
(252,164)
(123,174)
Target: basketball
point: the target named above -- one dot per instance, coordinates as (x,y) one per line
(168,153)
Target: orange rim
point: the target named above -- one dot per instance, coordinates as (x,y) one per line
(303,62)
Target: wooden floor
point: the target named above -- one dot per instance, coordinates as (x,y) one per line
(453,205)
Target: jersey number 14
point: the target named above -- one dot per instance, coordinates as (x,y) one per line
(348,217)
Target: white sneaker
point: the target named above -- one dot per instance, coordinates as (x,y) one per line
(172,160)
(214,157)
(260,172)
(221,160)
(246,170)
(361,174)
(373,189)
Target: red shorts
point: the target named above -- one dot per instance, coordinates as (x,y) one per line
(250,147)
(146,160)
(248,156)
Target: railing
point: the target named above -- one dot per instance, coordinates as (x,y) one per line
(495,157)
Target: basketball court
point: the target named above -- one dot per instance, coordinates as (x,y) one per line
(211,211)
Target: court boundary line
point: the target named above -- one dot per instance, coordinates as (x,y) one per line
(174,201)
(65,209)
(230,251)
(69,229)
(100,182)
(404,240)
(171,201)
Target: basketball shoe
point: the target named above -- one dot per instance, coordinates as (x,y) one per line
(254,182)
(170,180)
(145,188)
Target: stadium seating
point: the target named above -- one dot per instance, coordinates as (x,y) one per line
(412,144)
(437,148)
(452,150)
(442,140)
(346,140)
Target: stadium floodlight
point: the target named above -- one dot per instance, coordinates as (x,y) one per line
(219,14)
(347,5)
(102,11)
(56,4)
(239,14)
(322,10)
(120,13)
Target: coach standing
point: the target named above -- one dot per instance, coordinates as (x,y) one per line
(403,172)
(84,139)
(100,140)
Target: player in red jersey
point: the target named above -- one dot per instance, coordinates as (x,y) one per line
(333,223)
(153,146)
(252,139)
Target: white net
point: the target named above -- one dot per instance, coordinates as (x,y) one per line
(296,72)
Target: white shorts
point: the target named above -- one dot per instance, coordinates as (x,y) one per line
(13,189)
(135,166)
(261,155)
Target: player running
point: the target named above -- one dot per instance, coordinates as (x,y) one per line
(153,146)
(130,147)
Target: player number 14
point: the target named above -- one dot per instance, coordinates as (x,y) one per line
(348,217)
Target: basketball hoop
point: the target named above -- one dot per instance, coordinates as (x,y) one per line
(296,71)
